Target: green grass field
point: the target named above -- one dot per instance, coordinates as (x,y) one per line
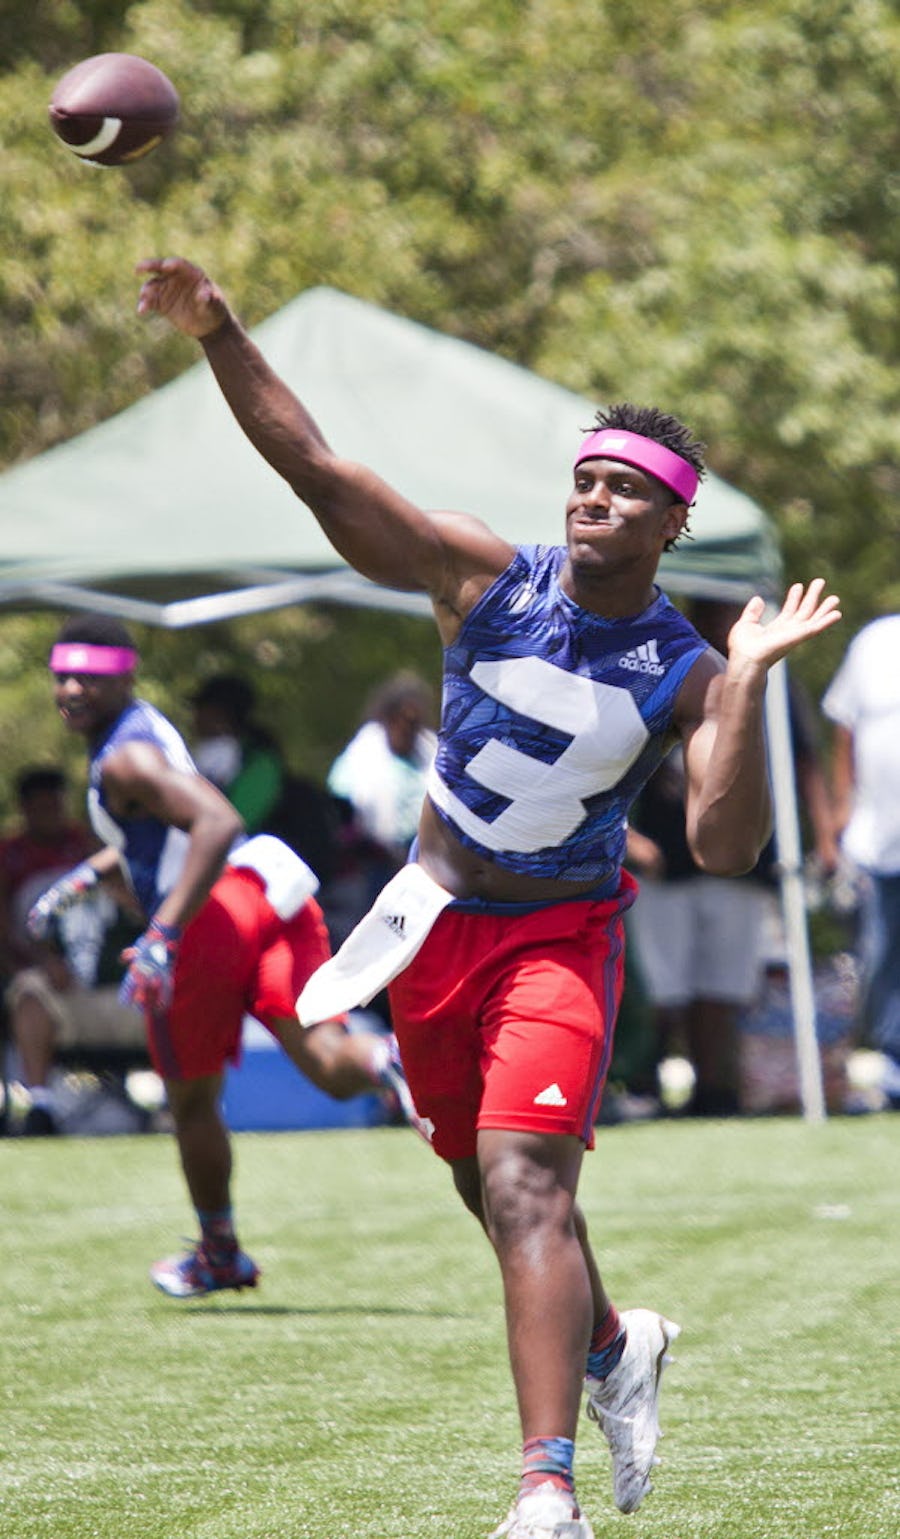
(363,1390)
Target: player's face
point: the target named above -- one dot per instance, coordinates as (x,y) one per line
(88,702)
(403,727)
(615,511)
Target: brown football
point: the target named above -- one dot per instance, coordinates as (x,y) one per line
(113,108)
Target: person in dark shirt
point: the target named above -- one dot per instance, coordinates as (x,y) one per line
(701,938)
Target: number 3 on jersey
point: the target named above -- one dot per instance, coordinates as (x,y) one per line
(546,800)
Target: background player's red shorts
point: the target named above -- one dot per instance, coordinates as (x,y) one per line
(237,958)
(507,1021)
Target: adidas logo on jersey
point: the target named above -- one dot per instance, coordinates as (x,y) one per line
(552,1096)
(643,659)
(396,922)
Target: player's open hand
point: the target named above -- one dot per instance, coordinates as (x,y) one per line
(804,613)
(176,289)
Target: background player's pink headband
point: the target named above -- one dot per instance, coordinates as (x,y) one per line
(646,454)
(82,657)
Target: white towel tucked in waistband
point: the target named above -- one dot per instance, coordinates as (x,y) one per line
(382,944)
(289,881)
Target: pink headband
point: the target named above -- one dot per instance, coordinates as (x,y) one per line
(644,453)
(82,657)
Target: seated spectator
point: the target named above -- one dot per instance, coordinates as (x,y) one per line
(240,756)
(47,843)
(379,779)
(50,998)
(70,999)
(233,751)
(383,770)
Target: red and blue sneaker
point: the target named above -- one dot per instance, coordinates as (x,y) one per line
(194,1274)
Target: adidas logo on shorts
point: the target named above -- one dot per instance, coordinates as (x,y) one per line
(396,922)
(552,1096)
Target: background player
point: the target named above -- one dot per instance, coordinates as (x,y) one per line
(232,929)
(567,676)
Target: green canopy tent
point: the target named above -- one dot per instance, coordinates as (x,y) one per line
(165,515)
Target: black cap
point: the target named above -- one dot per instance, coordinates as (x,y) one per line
(231,693)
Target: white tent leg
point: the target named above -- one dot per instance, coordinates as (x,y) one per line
(793,903)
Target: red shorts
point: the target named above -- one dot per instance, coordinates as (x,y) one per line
(237,958)
(507,1021)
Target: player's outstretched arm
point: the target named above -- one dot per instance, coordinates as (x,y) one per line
(371,525)
(721,715)
(805,613)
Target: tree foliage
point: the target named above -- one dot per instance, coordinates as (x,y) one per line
(656,200)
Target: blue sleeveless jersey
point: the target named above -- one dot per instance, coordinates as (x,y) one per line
(552,720)
(153,853)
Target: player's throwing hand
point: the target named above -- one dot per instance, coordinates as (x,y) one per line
(182,293)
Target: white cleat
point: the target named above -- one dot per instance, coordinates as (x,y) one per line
(547,1513)
(626,1404)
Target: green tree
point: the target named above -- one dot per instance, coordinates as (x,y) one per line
(689,203)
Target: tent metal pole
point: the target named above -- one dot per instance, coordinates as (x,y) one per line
(793,902)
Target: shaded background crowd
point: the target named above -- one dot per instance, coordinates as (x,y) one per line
(706,1027)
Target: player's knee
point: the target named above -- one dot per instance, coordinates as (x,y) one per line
(524,1204)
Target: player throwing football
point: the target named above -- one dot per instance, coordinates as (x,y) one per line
(567,676)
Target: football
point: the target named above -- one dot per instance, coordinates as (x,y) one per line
(113,108)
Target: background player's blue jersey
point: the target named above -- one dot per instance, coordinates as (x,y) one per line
(153,853)
(552,720)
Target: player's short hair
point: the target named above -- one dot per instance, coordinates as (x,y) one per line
(402,689)
(38,778)
(230,693)
(96,630)
(664,429)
